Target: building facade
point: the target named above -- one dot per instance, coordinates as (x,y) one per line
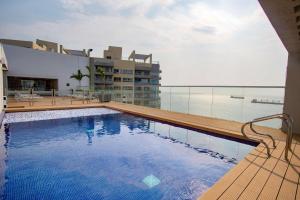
(42,70)
(45,65)
(133,80)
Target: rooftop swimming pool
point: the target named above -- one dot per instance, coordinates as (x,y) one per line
(111,155)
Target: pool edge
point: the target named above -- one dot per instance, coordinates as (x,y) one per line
(176,118)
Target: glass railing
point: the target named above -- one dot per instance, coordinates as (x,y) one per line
(235,103)
(24,98)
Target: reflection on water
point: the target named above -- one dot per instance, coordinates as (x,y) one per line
(114,156)
(203,143)
(111,125)
(106,125)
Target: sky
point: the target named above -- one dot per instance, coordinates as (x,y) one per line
(197,42)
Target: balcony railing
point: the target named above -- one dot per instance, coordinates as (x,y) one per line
(237,103)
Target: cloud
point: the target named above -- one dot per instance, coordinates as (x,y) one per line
(188,37)
(206,29)
(75,5)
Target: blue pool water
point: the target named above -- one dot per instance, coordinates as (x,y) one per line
(112,156)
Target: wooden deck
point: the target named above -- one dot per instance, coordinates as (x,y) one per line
(255,177)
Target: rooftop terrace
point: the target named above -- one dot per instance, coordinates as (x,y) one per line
(255,177)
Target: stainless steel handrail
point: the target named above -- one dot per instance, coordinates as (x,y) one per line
(285,118)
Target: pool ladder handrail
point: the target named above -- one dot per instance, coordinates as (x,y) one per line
(287,119)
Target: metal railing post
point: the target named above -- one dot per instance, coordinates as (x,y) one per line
(53,97)
(212,102)
(170,98)
(189,100)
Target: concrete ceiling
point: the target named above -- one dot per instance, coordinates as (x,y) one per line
(285,18)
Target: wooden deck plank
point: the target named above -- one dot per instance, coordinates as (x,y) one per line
(257,183)
(298,190)
(218,188)
(234,191)
(273,184)
(220,126)
(288,188)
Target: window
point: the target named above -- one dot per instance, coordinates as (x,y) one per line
(144,80)
(142,72)
(27,84)
(116,71)
(126,71)
(118,95)
(108,79)
(141,80)
(127,79)
(138,72)
(127,88)
(154,81)
(99,67)
(117,79)
(138,88)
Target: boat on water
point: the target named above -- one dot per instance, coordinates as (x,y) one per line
(236,97)
(266,101)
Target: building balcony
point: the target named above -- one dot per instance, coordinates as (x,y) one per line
(142,76)
(143,66)
(101,81)
(157,77)
(141,83)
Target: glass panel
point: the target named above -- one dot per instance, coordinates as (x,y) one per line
(228,103)
(200,101)
(180,99)
(165,98)
(231,103)
(260,102)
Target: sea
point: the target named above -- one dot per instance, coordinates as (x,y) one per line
(234,104)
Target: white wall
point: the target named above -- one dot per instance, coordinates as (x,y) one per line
(25,62)
(3,61)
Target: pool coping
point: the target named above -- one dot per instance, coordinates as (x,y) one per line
(226,128)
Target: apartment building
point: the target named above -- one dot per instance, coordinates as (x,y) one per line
(48,65)
(135,79)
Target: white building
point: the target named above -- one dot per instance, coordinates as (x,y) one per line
(3,67)
(43,70)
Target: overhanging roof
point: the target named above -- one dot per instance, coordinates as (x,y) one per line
(75,52)
(134,55)
(284,15)
(141,56)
